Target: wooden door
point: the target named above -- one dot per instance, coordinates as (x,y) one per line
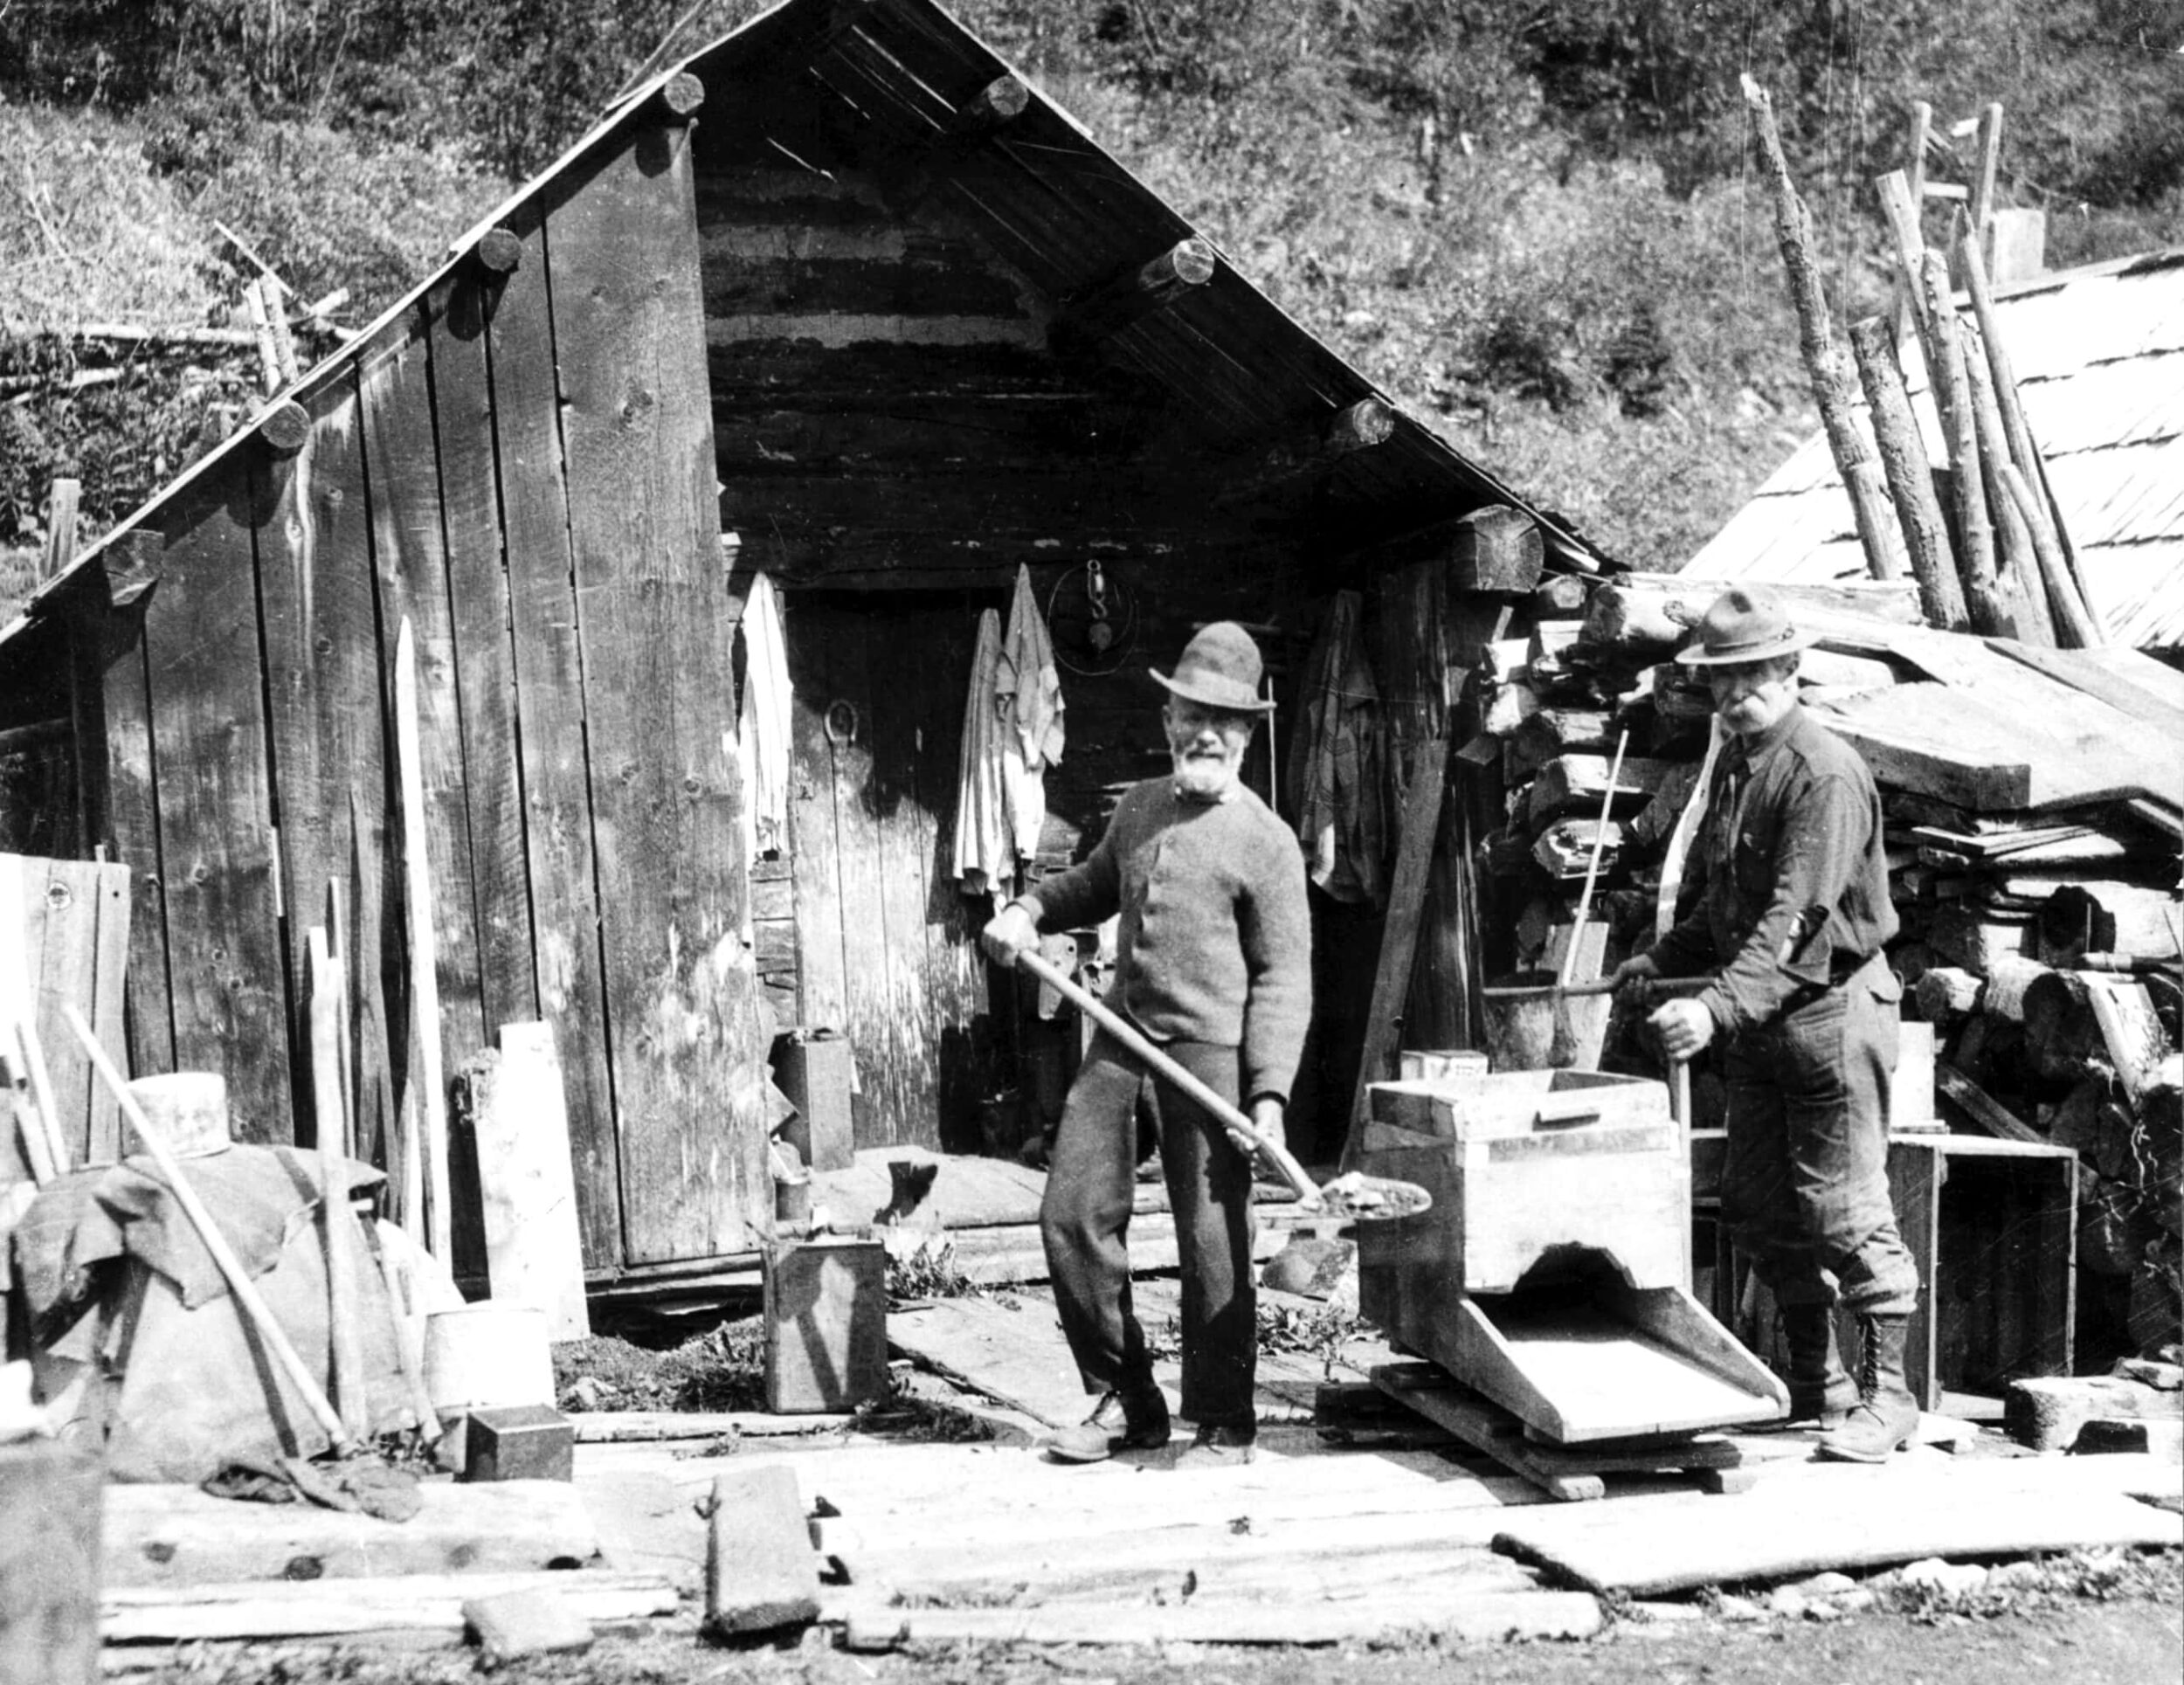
(886,944)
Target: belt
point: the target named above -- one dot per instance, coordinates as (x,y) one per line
(1839,973)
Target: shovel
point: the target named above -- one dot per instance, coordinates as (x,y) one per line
(1354,1195)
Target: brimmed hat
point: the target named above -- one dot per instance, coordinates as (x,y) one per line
(1743,625)
(1219,668)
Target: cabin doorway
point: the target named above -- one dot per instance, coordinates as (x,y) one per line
(886,944)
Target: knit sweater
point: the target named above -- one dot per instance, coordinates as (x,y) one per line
(1216,937)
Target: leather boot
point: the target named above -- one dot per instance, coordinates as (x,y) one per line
(1136,1419)
(1821,1391)
(1886,1415)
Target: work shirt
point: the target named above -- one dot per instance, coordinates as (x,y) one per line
(1792,876)
(1216,940)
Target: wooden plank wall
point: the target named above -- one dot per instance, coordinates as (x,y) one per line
(523,471)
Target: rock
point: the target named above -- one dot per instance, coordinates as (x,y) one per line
(1787,1603)
(1825,1609)
(2162,1378)
(1309,1266)
(1667,1613)
(1852,1602)
(2015,1576)
(1949,1580)
(2049,1413)
(588,1392)
(1825,1585)
(1741,1609)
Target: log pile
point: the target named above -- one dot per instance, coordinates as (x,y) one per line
(2041,941)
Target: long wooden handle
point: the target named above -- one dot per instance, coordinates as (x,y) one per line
(231,1266)
(1129,1034)
(1597,986)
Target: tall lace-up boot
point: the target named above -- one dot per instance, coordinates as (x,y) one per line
(1820,1389)
(1886,1415)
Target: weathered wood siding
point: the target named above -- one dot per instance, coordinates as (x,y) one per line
(521,467)
(895,436)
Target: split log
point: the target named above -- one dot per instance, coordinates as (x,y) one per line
(1900,209)
(2062,1036)
(1558,598)
(423,1601)
(1564,850)
(1580,783)
(2009,980)
(1508,707)
(1946,994)
(1548,732)
(1647,626)
(1497,548)
(1824,361)
(1910,478)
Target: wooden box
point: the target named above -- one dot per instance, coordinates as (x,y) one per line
(1523,1165)
(826,1324)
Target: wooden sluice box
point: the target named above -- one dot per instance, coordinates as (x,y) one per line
(1552,1273)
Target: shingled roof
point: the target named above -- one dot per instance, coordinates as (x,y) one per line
(2099,358)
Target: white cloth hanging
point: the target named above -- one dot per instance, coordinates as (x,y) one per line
(985,853)
(761,740)
(1027,686)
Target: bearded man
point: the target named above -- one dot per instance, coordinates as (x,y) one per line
(1214,963)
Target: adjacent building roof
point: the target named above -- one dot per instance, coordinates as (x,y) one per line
(2099,358)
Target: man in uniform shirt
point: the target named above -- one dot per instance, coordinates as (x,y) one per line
(1213,961)
(1791,914)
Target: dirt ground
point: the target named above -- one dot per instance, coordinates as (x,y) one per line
(2117,1619)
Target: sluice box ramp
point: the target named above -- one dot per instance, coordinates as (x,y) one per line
(1550,1274)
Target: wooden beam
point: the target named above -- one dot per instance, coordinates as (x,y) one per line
(1823,358)
(2019,579)
(997,104)
(1102,311)
(1990,158)
(1911,480)
(1314,452)
(1975,532)
(679,96)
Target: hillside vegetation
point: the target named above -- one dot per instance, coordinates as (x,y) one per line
(1533,221)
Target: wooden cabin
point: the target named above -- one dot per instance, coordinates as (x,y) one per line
(839,285)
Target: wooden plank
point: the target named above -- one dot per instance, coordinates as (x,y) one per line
(643,523)
(322,661)
(217,844)
(456,316)
(549,700)
(1406,895)
(259,1610)
(1011,1354)
(409,565)
(178,1537)
(815,845)
(1457,1614)
(67,964)
(1861,1518)
(1989,1115)
(133,811)
(534,1251)
(102,1143)
(903,673)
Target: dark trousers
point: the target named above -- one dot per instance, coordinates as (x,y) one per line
(1805,1187)
(1085,1222)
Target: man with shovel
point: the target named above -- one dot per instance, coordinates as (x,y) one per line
(1214,964)
(1789,918)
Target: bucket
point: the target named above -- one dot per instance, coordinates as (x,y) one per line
(1529,1026)
(190,1108)
(487,1355)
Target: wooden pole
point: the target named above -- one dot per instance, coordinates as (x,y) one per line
(1911,478)
(1823,358)
(1975,533)
(60,528)
(248,1297)
(431,1110)
(1593,866)
(1983,180)
(42,1091)
(1900,211)
(2074,623)
(2019,572)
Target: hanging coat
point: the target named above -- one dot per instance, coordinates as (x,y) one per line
(1028,687)
(985,851)
(1335,762)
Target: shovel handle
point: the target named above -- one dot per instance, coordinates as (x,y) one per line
(1132,1037)
(1597,986)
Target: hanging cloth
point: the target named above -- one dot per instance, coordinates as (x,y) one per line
(762,743)
(1027,686)
(985,852)
(1335,762)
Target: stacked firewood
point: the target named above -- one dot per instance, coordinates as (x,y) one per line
(2039,946)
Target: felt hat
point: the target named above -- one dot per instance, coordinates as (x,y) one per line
(1219,668)
(1744,625)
